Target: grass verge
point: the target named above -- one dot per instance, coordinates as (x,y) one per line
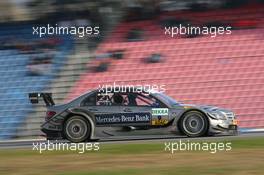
(246,157)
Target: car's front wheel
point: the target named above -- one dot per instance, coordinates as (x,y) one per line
(194,124)
(77,129)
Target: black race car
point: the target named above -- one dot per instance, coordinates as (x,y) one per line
(128,112)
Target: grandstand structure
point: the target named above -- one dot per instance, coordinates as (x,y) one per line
(16,81)
(227,71)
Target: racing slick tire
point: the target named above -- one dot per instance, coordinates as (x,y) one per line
(194,124)
(77,129)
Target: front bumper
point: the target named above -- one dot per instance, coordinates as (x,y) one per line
(223,126)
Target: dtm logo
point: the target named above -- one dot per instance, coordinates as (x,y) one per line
(160,111)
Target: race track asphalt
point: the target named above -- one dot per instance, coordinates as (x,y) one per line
(16,144)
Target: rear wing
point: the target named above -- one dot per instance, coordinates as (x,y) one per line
(47,97)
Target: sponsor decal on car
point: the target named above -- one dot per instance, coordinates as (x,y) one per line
(122,118)
(159,122)
(160,116)
(160,111)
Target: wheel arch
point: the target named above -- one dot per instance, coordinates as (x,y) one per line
(191,110)
(86,115)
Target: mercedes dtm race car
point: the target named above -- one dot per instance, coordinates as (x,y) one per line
(111,112)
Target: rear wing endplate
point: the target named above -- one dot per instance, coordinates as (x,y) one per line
(47,97)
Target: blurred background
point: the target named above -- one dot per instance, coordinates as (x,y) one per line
(227,71)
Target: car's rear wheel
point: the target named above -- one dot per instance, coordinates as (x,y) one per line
(194,124)
(77,129)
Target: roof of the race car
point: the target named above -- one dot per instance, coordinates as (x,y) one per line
(127,88)
(116,89)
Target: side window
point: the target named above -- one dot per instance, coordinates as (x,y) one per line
(143,101)
(134,99)
(111,99)
(120,99)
